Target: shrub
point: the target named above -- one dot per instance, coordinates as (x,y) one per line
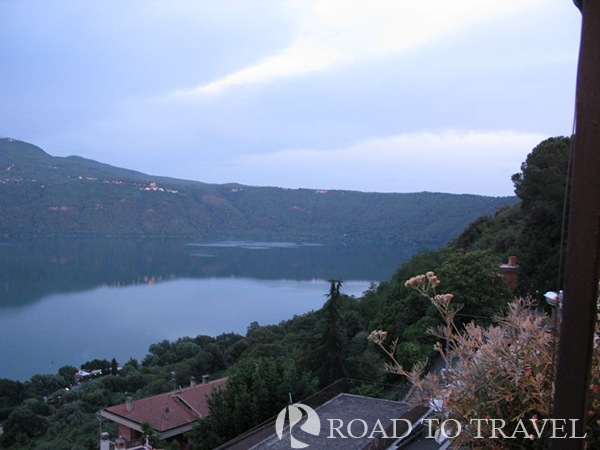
(501,371)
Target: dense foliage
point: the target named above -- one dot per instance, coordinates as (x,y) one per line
(258,389)
(541,187)
(502,371)
(42,195)
(269,362)
(531,229)
(505,370)
(498,376)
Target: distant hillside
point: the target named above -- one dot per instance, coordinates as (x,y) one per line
(43,195)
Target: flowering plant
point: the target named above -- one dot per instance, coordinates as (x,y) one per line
(500,376)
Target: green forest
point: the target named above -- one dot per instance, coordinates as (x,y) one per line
(309,352)
(46,196)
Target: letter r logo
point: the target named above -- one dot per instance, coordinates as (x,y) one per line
(311,426)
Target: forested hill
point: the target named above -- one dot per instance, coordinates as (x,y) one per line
(43,195)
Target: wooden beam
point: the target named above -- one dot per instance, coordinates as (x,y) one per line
(583,244)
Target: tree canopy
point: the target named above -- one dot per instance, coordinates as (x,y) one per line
(541,186)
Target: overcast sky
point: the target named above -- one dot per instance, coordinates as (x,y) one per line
(370,95)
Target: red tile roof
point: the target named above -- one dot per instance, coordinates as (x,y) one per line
(173,409)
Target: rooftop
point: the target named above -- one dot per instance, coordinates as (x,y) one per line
(345,407)
(167,411)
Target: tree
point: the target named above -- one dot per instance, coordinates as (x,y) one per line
(68,373)
(541,186)
(132,362)
(473,277)
(257,389)
(23,422)
(333,339)
(12,393)
(97,364)
(44,385)
(499,234)
(114,367)
(473,232)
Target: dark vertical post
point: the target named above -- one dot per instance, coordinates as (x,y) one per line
(583,245)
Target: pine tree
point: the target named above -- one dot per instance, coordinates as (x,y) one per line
(332,351)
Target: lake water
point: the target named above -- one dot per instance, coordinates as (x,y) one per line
(64,302)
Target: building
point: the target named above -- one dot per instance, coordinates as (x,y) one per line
(170,414)
(357,413)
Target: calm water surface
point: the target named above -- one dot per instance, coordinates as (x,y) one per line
(66,302)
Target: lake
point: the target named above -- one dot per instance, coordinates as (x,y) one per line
(64,302)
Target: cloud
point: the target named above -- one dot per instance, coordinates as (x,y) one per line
(303,56)
(446,161)
(331,32)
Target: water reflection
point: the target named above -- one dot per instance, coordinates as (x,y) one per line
(68,301)
(31,270)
